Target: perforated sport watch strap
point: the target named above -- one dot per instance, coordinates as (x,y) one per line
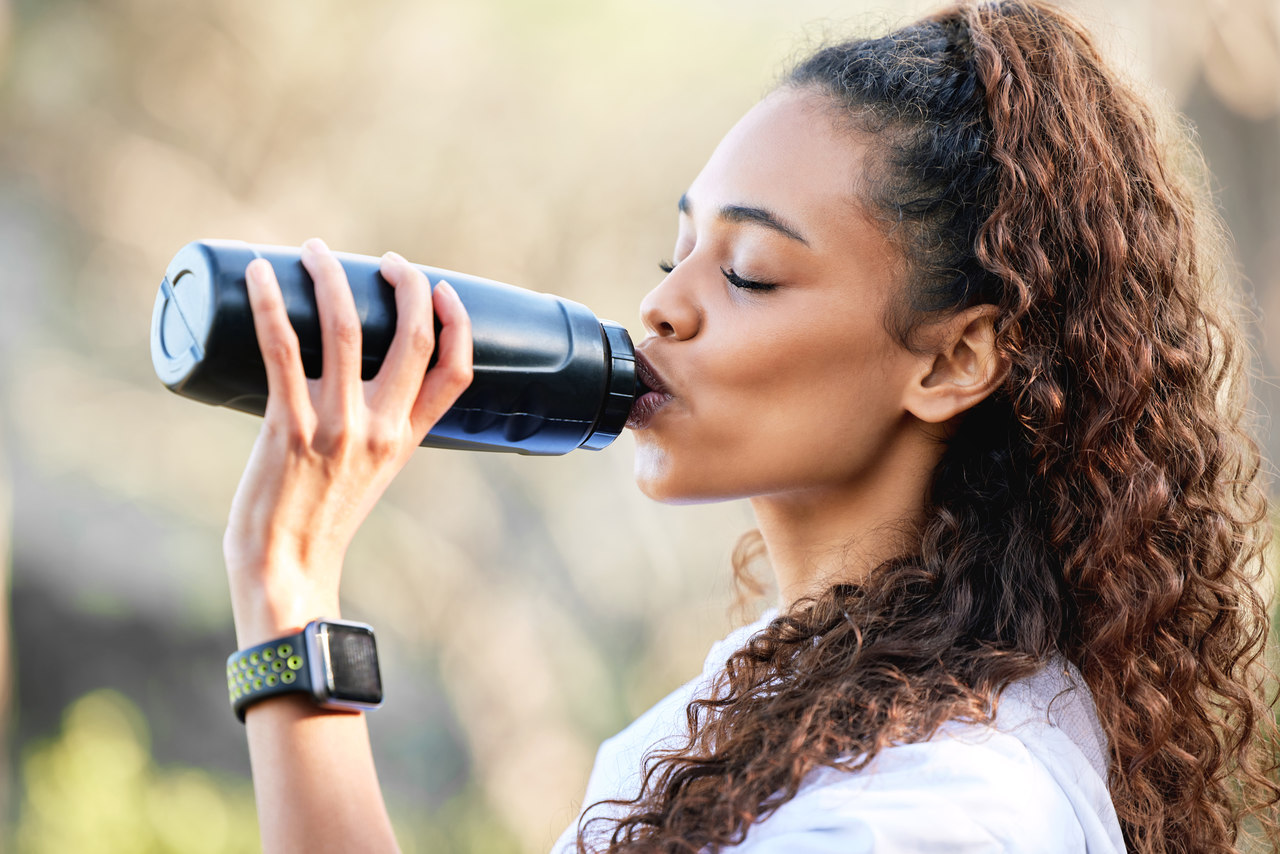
(335,662)
(275,667)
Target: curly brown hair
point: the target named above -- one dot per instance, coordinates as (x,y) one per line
(1104,504)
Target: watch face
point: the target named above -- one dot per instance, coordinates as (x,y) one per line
(353,664)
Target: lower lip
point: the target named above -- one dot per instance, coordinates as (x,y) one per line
(645,407)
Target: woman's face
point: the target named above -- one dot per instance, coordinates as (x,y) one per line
(768,334)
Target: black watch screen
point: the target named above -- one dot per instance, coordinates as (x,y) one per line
(352,663)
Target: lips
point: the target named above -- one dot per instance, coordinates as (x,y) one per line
(655,394)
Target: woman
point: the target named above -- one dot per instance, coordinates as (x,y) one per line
(942,308)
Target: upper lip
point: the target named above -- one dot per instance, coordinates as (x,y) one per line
(648,375)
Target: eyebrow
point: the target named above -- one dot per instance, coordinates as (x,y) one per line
(747,213)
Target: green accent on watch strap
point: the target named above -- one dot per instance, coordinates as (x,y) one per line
(252,673)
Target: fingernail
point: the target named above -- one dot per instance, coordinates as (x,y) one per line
(394,256)
(316,245)
(448,288)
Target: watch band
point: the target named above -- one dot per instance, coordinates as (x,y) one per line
(276,667)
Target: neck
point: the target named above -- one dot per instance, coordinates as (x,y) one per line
(839,533)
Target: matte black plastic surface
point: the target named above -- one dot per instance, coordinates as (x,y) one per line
(549,376)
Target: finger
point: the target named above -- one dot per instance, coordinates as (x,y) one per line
(401,375)
(451,374)
(339,327)
(286,382)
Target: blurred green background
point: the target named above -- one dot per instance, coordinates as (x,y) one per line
(526,608)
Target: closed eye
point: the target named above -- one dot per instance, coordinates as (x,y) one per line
(732,277)
(746,284)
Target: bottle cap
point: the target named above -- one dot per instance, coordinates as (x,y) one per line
(620,390)
(179,323)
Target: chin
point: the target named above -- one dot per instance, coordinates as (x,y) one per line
(658,478)
(653,474)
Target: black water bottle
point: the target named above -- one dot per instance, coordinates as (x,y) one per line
(549,376)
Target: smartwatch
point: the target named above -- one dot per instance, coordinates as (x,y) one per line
(335,662)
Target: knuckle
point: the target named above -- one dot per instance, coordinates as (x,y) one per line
(422,338)
(383,443)
(460,376)
(296,441)
(345,332)
(280,350)
(333,440)
(288,433)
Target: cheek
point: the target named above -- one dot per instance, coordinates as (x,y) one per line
(821,433)
(826,385)
(789,412)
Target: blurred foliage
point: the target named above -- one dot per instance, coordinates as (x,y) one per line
(95,789)
(526,608)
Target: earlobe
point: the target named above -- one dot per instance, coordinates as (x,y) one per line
(961,369)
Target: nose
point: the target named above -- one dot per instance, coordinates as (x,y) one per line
(670,310)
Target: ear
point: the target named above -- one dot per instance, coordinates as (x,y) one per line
(960,368)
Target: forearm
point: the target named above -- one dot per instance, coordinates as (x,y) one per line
(314,780)
(313,773)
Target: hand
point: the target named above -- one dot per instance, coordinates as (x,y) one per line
(329,447)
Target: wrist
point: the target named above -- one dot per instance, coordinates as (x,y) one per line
(265,610)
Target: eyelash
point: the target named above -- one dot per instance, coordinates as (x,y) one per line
(732,277)
(746,284)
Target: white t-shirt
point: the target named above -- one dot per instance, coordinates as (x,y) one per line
(1032,783)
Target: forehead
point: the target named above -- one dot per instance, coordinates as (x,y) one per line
(787,155)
